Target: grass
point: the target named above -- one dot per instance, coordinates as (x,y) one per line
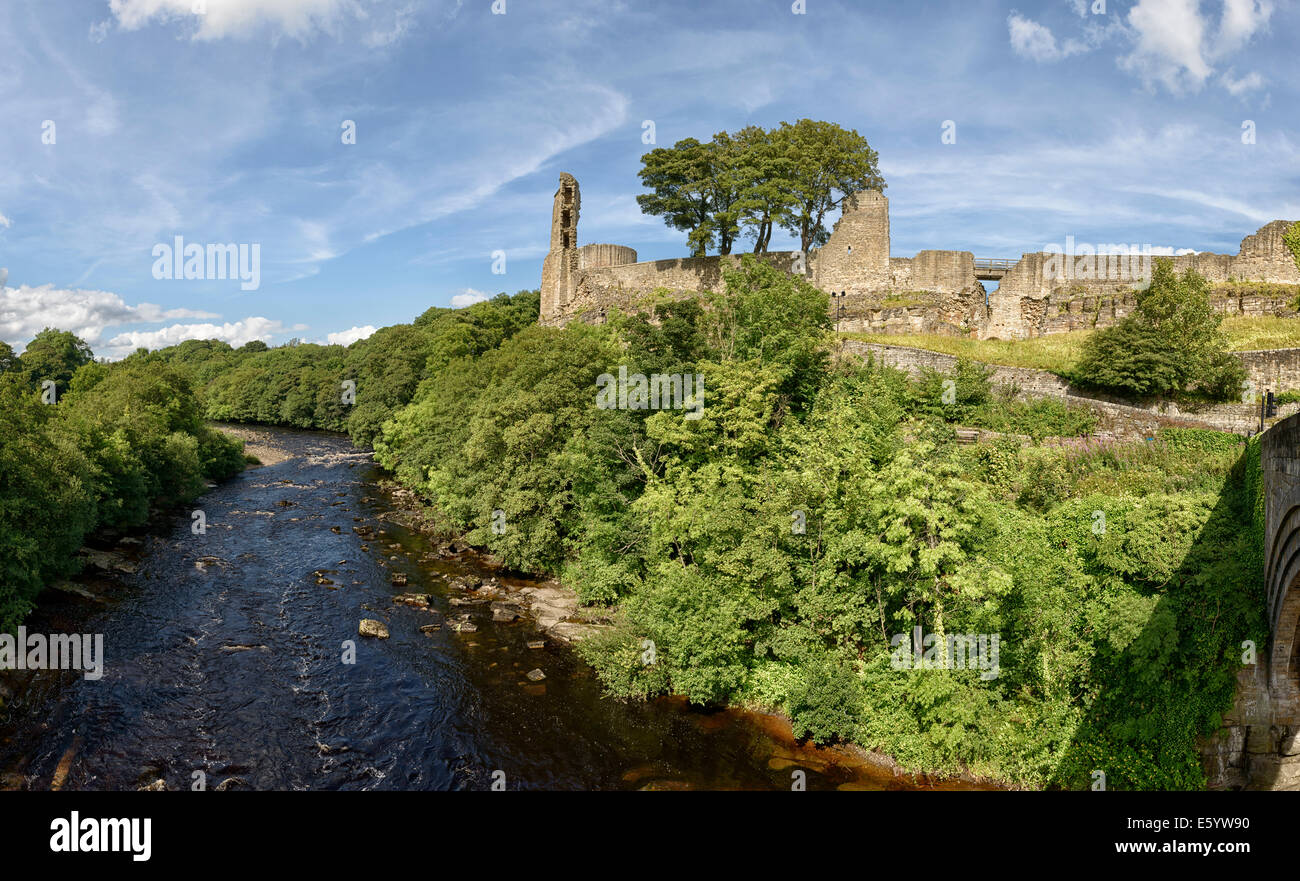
(1265,332)
(1059,352)
(1056,352)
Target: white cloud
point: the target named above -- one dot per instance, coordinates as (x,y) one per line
(1034,41)
(468,297)
(5,222)
(1169,36)
(1174,45)
(1241,20)
(25,311)
(236,333)
(1238,87)
(300,19)
(350,336)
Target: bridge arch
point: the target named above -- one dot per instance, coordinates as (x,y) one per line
(1280,463)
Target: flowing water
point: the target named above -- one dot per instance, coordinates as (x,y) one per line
(224,655)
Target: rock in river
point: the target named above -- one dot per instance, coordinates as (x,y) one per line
(371,627)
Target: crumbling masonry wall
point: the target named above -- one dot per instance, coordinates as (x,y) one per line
(934,292)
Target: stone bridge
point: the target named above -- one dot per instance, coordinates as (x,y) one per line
(993,268)
(1280,461)
(1259,744)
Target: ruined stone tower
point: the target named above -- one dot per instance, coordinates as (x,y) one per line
(856,257)
(560,268)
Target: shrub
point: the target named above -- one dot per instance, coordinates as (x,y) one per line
(1172,343)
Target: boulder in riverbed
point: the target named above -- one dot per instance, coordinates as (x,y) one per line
(371,627)
(503,612)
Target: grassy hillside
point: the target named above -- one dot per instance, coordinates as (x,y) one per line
(1059,353)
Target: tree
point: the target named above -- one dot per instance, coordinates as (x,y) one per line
(678,178)
(766,195)
(1171,343)
(8,360)
(724,185)
(56,355)
(757,179)
(772,317)
(822,166)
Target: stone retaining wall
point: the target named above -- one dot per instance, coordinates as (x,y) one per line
(1125,419)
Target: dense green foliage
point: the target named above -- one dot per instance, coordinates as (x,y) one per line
(54,355)
(303,386)
(772,549)
(975,403)
(1171,343)
(123,439)
(755,180)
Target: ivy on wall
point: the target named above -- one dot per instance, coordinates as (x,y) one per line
(1291,238)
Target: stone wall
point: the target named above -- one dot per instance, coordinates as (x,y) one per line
(1276,369)
(599,288)
(934,292)
(856,257)
(1051,293)
(1117,417)
(1258,746)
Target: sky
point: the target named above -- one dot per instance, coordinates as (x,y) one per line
(127,123)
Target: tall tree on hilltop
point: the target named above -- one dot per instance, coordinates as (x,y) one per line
(725,186)
(8,360)
(766,194)
(825,165)
(678,180)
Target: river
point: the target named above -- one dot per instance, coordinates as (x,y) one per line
(225,664)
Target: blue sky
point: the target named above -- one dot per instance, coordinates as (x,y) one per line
(225,127)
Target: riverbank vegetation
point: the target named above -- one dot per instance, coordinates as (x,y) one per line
(771,551)
(98,449)
(776,550)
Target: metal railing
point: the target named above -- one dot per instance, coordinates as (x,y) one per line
(994,263)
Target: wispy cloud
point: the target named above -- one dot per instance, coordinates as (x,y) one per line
(1175,46)
(379,21)
(1034,41)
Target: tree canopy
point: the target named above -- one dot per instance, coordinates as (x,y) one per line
(755,180)
(55,355)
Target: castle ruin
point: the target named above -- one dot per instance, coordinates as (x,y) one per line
(933,292)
